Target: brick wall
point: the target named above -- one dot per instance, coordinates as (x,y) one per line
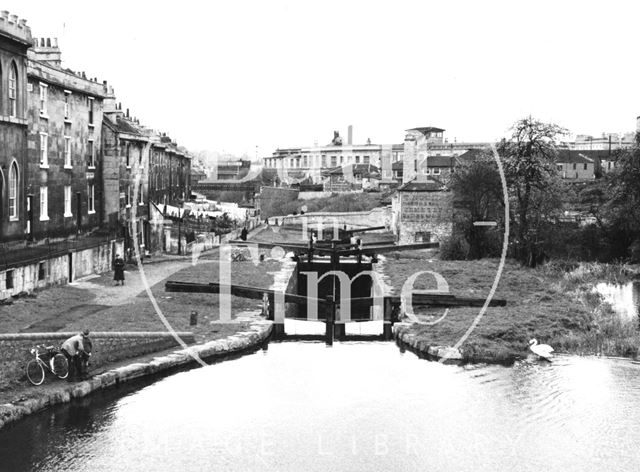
(107,348)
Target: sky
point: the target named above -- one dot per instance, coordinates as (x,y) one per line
(249,76)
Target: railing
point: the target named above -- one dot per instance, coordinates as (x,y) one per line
(26,254)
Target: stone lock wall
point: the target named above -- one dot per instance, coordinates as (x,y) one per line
(107,348)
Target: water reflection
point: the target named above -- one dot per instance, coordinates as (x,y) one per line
(624,299)
(358,406)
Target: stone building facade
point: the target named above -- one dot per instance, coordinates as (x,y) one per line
(64,166)
(144,168)
(422,212)
(15,39)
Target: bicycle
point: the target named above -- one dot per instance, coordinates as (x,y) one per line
(49,358)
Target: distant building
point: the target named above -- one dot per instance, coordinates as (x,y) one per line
(15,39)
(315,160)
(351,177)
(230,169)
(605,142)
(197,175)
(577,165)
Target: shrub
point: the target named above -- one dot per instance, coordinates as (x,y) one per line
(454,248)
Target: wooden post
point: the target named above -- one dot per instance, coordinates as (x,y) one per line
(330,320)
(387,326)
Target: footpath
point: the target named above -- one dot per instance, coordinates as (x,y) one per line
(96,303)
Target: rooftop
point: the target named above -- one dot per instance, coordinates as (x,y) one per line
(430,185)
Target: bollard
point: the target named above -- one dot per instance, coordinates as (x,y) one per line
(194,318)
(330,320)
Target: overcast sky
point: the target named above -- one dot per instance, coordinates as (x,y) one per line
(238,74)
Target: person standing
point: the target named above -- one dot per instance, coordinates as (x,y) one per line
(118,270)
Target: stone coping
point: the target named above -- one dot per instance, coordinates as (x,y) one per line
(257,332)
(402,332)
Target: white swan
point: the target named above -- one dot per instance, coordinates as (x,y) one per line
(542,350)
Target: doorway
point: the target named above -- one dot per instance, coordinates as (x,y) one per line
(70,266)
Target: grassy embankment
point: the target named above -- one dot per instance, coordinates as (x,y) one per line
(554,304)
(69,308)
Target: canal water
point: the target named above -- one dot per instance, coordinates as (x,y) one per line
(623,298)
(355,406)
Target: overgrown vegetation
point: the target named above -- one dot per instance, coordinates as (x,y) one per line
(538,199)
(554,303)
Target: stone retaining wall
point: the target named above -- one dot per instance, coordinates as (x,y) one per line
(257,333)
(107,347)
(404,333)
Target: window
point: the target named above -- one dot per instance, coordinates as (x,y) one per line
(91,158)
(574,166)
(334,161)
(43,99)
(127,196)
(67,152)
(365,160)
(357,159)
(324,161)
(8,281)
(140,157)
(128,154)
(67,201)
(91,207)
(436,171)
(140,195)
(341,159)
(90,110)
(67,98)
(41,270)
(13,192)
(44,149)
(585,167)
(13,94)
(44,204)
(559,166)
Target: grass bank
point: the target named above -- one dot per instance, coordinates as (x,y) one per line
(554,303)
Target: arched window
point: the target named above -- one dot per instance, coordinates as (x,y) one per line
(13,90)
(13,192)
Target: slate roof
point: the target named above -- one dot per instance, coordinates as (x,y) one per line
(581,157)
(430,185)
(427,129)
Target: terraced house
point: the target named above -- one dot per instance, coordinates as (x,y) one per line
(15,39)
(64,171)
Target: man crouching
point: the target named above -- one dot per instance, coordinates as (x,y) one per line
(77,350)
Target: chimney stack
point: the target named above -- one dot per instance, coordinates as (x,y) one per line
(350,135)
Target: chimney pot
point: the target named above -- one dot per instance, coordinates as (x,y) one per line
(13,18)
(5,14)
(23,22)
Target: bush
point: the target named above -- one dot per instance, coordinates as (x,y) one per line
(454,248)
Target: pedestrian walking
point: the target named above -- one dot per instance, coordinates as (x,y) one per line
(118,270)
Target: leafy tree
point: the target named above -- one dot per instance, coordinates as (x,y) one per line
(478,190)
(528,158)
(620,215)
